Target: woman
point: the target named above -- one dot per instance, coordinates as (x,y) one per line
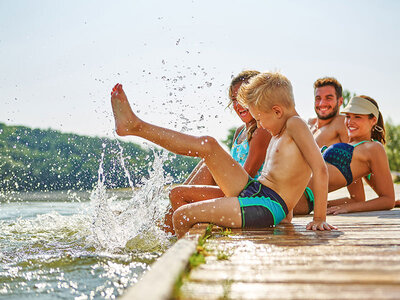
(363,155)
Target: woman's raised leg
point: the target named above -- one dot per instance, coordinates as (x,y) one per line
(228,174)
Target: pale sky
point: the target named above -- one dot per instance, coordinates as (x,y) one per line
(60,59)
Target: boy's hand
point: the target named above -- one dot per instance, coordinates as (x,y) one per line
(319,225)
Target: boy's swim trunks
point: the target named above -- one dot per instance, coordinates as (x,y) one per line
(261,206)
(310,199)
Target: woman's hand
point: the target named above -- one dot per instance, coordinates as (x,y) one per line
(338,209)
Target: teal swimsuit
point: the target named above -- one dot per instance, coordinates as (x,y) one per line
(239,152)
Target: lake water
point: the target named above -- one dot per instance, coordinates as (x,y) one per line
(80,245)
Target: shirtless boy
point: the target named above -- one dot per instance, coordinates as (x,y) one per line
(292,157)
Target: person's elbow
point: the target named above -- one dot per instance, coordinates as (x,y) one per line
(252,172)
(321,173)
(389,203)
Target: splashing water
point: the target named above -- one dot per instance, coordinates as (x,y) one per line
(60,245)
(135,223)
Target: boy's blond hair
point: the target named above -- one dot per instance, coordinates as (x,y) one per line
(266,90)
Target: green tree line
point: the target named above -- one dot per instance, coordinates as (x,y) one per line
(35,159)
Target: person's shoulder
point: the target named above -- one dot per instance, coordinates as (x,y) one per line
(373,148)
(261,133)
(311,121)
(238,130)
(339,120)
(296,125)
(375,145)
(295,121)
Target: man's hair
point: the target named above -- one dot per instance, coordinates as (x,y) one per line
(266,90)
(329,81)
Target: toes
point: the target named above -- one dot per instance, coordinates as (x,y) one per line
(115,88)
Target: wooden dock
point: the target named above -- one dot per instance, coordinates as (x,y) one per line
(360,260)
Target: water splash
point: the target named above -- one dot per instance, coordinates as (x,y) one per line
(133,224)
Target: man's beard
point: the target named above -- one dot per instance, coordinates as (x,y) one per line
(331,115)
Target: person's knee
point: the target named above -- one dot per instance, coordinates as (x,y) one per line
(179,218)
(175,197)
(209,143)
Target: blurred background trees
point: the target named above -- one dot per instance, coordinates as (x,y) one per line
(34,159)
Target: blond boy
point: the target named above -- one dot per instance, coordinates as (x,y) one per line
(292,157)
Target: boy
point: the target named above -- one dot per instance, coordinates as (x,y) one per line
(292,157)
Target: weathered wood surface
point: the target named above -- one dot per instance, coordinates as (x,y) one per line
(361,260)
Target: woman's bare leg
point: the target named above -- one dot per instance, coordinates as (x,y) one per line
(168,225)
(201,176)
(187,194)
(228,174)
(301,207)
(223,212)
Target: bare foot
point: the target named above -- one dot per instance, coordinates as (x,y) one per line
(126,122)
(288,218)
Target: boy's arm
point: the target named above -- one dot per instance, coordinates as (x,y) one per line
(305,142)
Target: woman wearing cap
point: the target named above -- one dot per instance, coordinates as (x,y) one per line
(363,155)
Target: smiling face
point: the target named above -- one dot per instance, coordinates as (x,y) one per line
(359,126)
(326,104)
(243,113)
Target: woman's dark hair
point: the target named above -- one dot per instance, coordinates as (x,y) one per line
(378,132)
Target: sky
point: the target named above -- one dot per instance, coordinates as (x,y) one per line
(60,59)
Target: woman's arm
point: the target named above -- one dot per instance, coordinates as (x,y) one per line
(356,192)
(383,185)
(257,151)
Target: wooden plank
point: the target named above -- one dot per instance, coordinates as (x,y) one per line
(359,261)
